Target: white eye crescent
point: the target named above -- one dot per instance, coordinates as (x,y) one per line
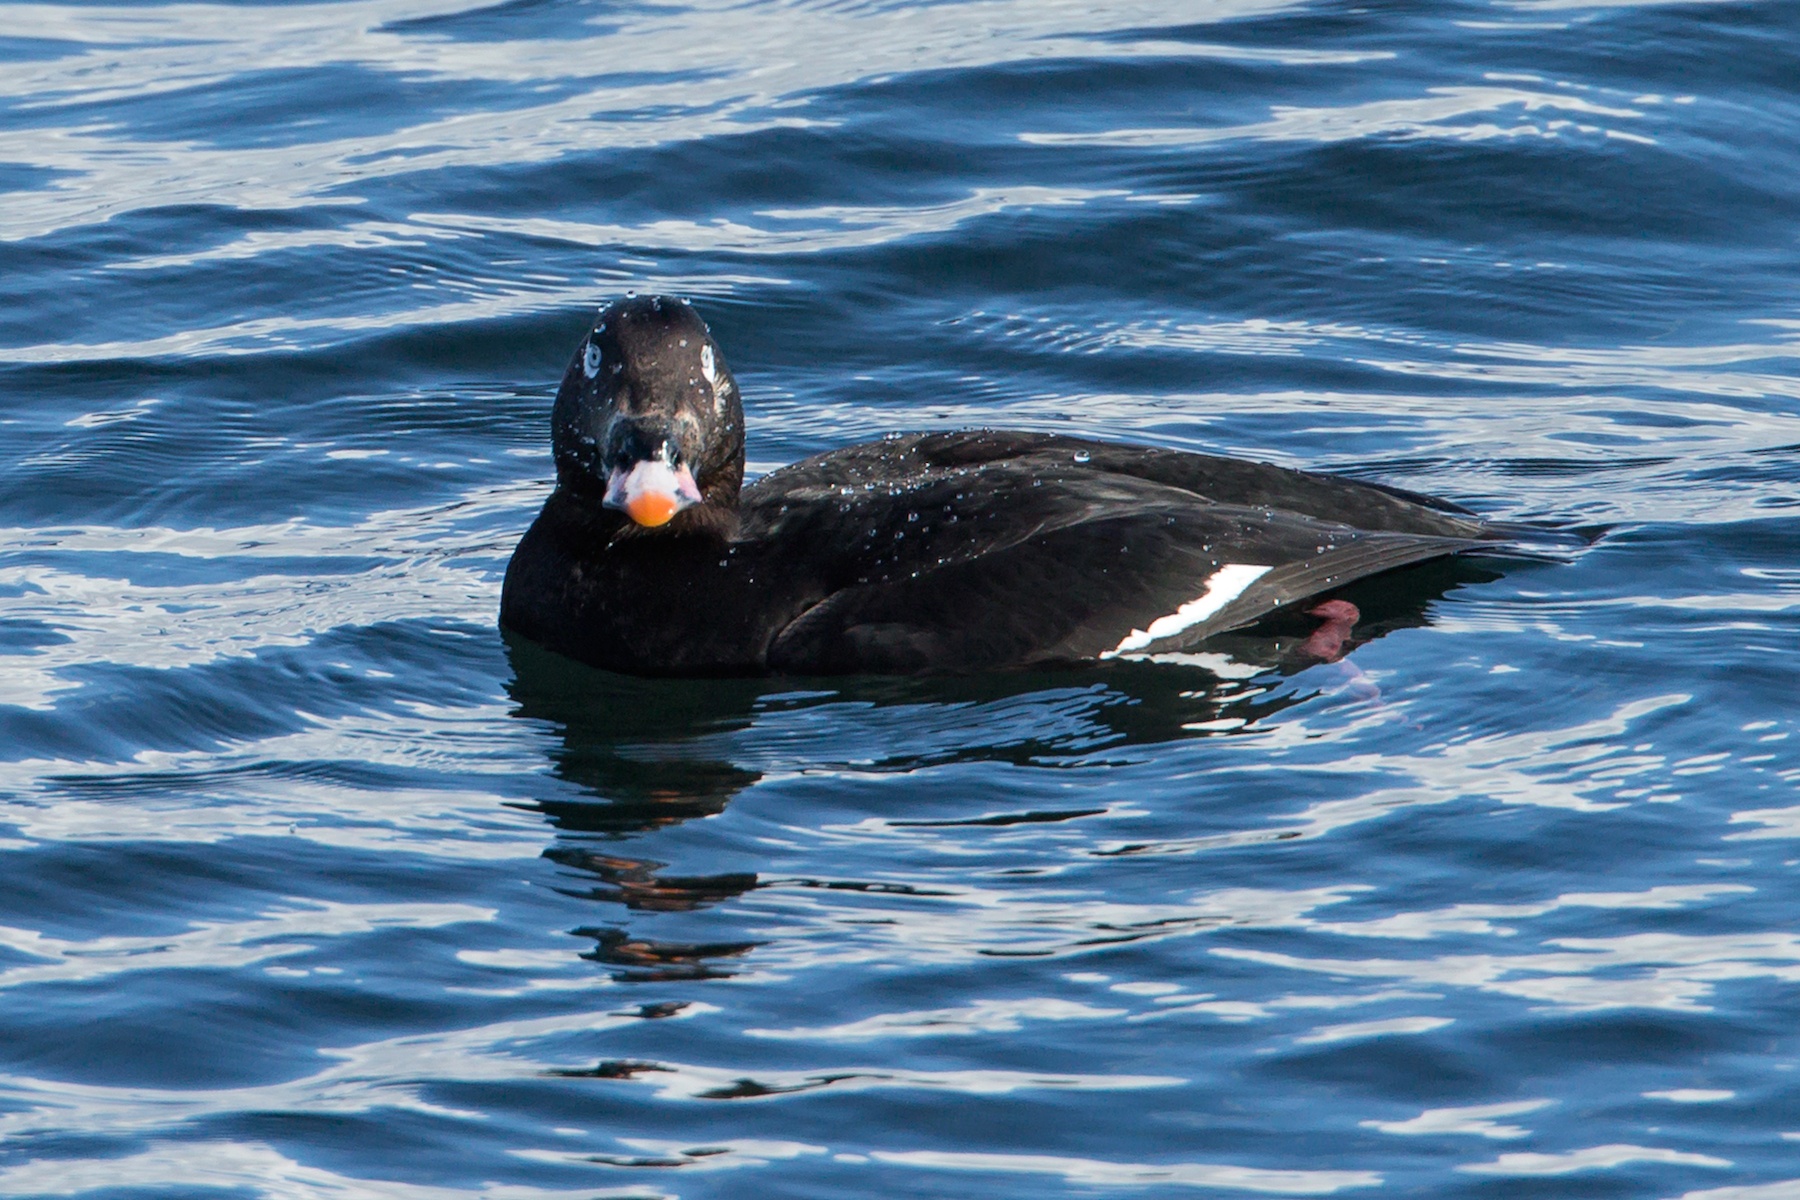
(590,362)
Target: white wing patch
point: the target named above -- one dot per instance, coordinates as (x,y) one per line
(1225,585)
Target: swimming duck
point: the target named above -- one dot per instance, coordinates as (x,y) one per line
(933,552)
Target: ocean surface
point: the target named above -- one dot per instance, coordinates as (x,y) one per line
(316,888)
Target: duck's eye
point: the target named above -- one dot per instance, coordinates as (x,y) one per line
(590,362)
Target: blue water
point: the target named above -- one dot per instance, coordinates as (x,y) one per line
(316,889)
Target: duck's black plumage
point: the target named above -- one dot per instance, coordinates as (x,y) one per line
(932,552)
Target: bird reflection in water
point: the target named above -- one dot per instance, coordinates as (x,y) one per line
(642,960)
(635,884)
(651,753)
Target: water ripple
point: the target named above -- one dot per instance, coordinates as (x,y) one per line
(318,887)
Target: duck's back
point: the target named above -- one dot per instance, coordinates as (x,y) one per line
(984,549)
(917,458)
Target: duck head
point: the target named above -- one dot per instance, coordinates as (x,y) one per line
(648,420)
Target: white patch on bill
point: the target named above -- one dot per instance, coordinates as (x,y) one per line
(1225,585)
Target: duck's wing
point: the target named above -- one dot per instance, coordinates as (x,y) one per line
(1376,507)
(1160,577)
(1022,458)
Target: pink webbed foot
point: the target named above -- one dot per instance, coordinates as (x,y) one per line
(1336,619)
(1328,644)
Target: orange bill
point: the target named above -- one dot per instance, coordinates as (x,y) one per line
(651,492)
(652,508)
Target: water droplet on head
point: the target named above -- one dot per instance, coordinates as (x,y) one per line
(912,516)
(1081,456)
